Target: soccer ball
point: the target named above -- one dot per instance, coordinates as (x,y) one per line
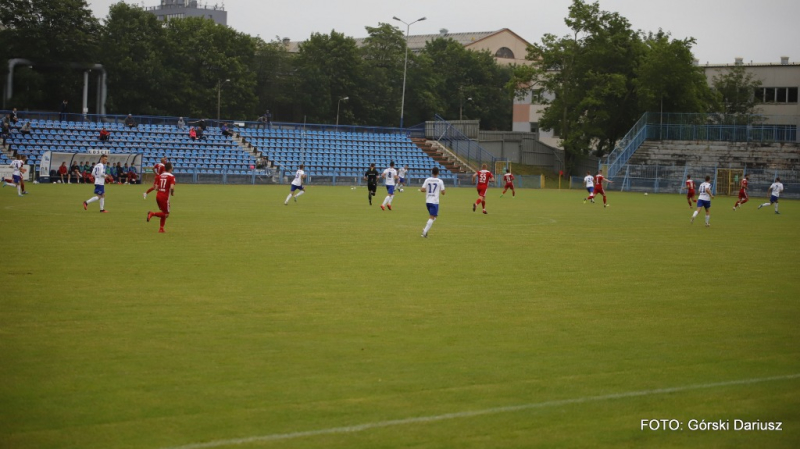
(645,193)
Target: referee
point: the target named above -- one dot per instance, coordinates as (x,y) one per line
(372,182)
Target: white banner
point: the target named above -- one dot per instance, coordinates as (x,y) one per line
(6,172)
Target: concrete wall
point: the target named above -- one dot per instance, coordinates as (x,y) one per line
(764,156)
(505,38)
(770,75)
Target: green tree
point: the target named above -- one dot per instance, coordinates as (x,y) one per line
(737,89)
(133,45)
(667,78)
(53,34)
(276,82)
(383,53)
(330,67)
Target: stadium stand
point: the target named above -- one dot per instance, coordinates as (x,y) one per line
(339,154)
(212,155)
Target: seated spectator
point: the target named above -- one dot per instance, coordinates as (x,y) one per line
(130,122)
(13,116)
(26,128)
(63,172)
(104,135)
(75,172)
(111,172)
(181,123)
(199,133)
(132,175)
(225,131)
(122,173)
(87,172)
(192,133)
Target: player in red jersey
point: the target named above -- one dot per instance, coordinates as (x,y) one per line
(690,191)
(509,180)
(157,170)
(165,185)
(598,187)
(743,198)
(484,177)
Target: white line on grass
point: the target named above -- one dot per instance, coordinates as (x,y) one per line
(469,414)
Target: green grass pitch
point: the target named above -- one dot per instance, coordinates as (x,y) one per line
(328,323)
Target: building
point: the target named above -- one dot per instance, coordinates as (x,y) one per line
(506,46)
(179,9)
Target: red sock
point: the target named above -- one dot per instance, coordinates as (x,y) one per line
(478,202)
(163,220)
(513,192)
(158,214)
(744,201)
(604,199)
(150,190)
(505,190)
(483,204)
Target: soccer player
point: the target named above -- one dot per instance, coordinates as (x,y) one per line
(157,170)
(165,185)
(742,191)
(371,176)
(776,188)
(690,191)
(99,175)
(509,180)
(484,177)
(297,184)
(704,200)
(588,181)
(598,187)
(390,176)
(401,175)
(432,187)
(18,168)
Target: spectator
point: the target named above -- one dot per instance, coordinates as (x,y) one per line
(63,173)
(202,125)
(181,123)
(111,172)
(225,131)
(64,108)
(87,172)
(268,117)
(26,128)
(6,130)
(199,132)
(132,175)
(104,135)
(13,116)
(122,173)
(75,172)
(192,133)
(130,122)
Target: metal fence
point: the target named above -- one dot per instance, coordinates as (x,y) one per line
(466,148)
(724,178)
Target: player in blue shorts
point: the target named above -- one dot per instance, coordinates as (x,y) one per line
(432,187)
(99,174)
(704,200)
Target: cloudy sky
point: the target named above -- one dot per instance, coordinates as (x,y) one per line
(758,31)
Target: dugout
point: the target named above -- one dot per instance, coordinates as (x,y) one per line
(51,160)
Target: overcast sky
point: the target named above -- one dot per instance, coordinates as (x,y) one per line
(758,31)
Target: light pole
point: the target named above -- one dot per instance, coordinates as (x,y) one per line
(405,66)
(461,104)
(337,108)
(220,83)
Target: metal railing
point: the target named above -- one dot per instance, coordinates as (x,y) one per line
(466,148)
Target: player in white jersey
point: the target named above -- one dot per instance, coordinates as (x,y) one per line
(432,187)
(588,182)
(776,188)
(401,177)
(18,168)
(390,177)
(99,175)
(704,200)
(297,184)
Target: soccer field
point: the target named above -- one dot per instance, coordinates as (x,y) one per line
(328,323)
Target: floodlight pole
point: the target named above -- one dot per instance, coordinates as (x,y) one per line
(405,66)
(220,83)
(337,108)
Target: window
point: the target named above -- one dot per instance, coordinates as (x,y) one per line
(504,52)
(780,95)
(536,96)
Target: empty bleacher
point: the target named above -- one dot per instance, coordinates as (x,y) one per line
(214,154)
(339,154)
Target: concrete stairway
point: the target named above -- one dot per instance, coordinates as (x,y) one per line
(442,155)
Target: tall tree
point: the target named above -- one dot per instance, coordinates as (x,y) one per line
(276,81)
(667,78)
(383,53)
(330,67)
(737,88)
(53,34)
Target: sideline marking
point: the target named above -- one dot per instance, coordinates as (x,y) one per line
(469,414)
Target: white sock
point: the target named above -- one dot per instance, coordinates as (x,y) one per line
(428,226)
(776,207)
(385,200)
(102,204)
(92,199)
(300,193)
(708,217)
(765,204)
(19,189)
(288,198)
(694,214)
(391,198)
